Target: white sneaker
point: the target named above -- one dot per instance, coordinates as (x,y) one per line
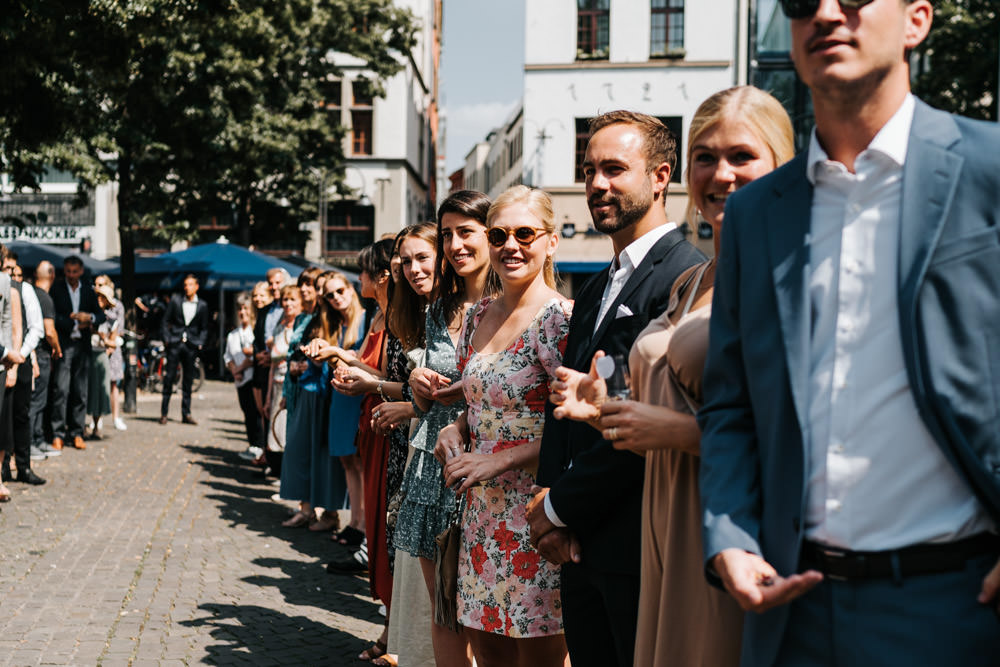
(251,453)
(120,424)
(48,450)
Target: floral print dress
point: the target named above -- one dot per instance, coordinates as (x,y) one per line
(504,585)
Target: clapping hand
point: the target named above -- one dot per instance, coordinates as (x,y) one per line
(424,382)
(352,381)
(319,350)
(559,546)
(991,588)
(13,358)
(755,585)
(466,469)
(449,443)
(390,414)
(579,396)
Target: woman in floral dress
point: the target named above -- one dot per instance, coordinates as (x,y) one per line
(461,282)
(508,596)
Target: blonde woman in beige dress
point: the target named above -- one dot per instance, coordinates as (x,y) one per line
(736,136)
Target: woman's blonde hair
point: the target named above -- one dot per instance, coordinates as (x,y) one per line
(355,312)
(760,110)
(540,205)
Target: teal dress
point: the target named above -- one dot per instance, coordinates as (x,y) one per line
(345,411)
(296,462)
(427,503)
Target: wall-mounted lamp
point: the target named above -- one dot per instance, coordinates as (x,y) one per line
(568,229)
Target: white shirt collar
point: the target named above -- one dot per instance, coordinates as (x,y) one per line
(637,250)
(892,140)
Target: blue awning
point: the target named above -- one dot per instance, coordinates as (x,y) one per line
(581,267)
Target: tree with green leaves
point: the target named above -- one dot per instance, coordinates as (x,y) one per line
(194,108)
(956,67)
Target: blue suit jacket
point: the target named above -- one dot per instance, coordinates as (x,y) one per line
(754,420)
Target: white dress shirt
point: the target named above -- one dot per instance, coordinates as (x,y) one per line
(624,265)
(6,317)
(235,342)
(621,270)
(34,327)
(272,319)
(74,301)
(189,308)
(877,480)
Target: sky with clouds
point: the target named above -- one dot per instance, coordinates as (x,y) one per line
(482,70)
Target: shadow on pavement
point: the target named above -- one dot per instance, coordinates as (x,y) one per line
(245,500)
(260,636)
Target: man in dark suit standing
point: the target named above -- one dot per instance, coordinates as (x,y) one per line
(77,316)
(850,449)
(185,327)
(589,517)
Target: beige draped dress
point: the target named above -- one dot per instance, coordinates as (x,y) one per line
(683,620)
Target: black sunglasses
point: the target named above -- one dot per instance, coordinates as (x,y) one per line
(803,9)
(525,236)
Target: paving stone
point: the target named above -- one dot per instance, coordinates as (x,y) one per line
(160,544)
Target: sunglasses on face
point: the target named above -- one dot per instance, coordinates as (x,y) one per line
(525,236)
(803,9)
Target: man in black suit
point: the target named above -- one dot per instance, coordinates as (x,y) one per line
(77,316)
(589,517)
(185,326)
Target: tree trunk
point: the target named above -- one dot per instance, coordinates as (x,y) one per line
(126,236)
(242,235)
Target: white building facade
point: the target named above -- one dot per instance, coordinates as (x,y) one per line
(390,146)
(586,57)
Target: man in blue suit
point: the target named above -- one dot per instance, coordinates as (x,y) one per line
(850,469)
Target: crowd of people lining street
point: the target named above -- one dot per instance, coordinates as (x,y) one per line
(62,363)
(807,432)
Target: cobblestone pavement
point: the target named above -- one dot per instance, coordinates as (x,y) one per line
(159,546)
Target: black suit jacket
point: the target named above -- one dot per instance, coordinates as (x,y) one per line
(174,328)
(594,488)
(64,308)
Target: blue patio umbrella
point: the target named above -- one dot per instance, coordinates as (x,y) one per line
(220,267)
(29,255)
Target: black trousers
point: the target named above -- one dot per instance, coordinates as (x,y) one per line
(6,423)
(69,394)
(20,421)
(251,417)
(600,614)
(183,355)
(40,397)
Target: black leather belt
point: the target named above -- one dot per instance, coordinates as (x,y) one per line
(844,565)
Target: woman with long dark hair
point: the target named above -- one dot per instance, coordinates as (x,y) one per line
(463,279)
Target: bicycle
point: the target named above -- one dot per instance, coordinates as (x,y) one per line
(152,369)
